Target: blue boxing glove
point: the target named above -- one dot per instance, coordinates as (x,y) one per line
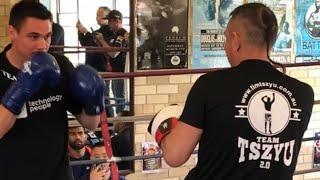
(42,67)
(88,89)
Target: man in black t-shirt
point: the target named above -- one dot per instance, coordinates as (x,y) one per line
(122,143)
(57,38)
(77,148)
(225,114)
(97,60)
(118,37)
(36,90)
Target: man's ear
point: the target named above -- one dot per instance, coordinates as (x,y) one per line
(12,32)
(236,41)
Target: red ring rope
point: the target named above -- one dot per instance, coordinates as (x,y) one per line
(107,145)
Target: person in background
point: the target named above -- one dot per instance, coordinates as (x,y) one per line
(117,38)
(57,38)
(122,142)
(86,38)
(77,149)
(98,171)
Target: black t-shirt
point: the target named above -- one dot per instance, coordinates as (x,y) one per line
(96,60)
(117,39)
(81,170)
(57,37)
(122,145)
(36,146)
(253,118)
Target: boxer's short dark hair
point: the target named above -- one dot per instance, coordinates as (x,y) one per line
(24,9)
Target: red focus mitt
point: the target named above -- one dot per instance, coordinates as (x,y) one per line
(164,121)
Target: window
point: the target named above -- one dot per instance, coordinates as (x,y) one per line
(124,7)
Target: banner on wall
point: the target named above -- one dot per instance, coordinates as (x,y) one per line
(316,154)
(162,31)
(151,165)
(209,19)
(283,10)
(308,30)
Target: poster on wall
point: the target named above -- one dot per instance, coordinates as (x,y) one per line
(151,165)
(308,30)
(162,34)
(209,19)
(316,154)
(283,10)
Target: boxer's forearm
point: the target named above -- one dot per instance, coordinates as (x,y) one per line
(178,145)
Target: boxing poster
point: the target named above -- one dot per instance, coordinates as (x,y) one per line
(209,19)
(162,34)
(308,30)
(283,10)
(316,156)
(151,165)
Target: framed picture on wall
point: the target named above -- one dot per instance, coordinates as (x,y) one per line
(308,30)
(283,47)
(151,165)
(209,19)
(316,154)
(162,34)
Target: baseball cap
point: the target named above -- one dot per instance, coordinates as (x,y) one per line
(114,14)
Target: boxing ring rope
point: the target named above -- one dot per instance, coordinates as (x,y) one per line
(118,159)
(317,169)
(160,155)
(92,49)
(110,75)
(118,104)
(88,48)
(107,144)
(133,158)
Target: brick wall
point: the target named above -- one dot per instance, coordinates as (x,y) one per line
(153,93)
(5,6)
(311,76)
